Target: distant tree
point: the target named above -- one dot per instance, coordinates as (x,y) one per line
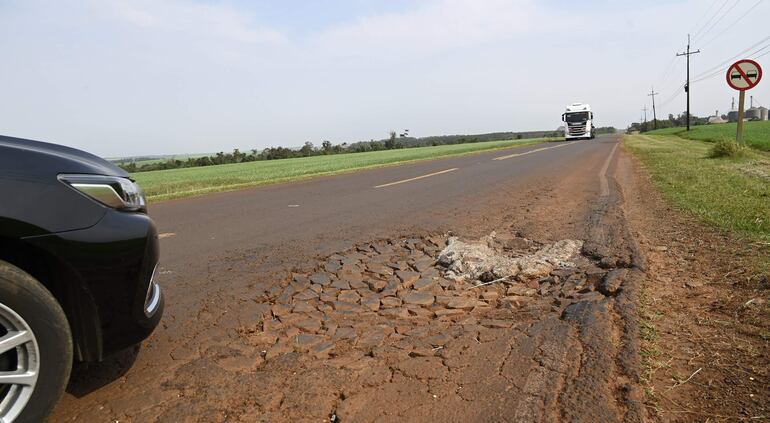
(220,158)
(326,146)
(390,143)
(307,149)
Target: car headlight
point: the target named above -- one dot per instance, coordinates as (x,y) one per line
(112,191)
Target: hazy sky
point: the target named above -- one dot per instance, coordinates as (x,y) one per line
(153,77)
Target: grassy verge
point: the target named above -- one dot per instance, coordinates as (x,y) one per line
(177,183)
(756,133)
(732,193)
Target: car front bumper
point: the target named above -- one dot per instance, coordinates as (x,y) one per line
(113,300)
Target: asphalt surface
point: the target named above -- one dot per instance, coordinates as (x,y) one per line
(198,229)
(217,249)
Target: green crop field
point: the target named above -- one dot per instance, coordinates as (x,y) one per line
(732,193)
(756,133)
(186,182)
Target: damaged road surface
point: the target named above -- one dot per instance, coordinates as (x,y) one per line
(396,334)
(511,299)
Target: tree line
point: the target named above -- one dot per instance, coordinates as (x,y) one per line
(672,121)
(394,141)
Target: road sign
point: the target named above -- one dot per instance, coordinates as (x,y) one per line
(744,75)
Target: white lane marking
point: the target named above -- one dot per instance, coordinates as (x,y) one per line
(293,205)
(605,186)
(416,178)
(531,151)
(166,235)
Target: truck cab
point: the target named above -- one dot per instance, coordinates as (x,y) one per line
(579,122)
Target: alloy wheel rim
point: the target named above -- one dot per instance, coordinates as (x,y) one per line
(18,383)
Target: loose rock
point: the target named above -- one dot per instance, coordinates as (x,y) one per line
(465,303)
(423,284)
(408,277)
(389,302)
(419,298)
(320,279)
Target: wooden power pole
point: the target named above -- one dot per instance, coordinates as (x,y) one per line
(687,54)
(654,115)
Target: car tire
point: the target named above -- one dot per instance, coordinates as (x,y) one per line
(27,306)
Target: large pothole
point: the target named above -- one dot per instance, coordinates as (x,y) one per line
(381,292)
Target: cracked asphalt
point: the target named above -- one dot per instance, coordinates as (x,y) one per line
(337,308)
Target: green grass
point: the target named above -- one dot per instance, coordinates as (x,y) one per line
(187,182)
(732,193)
(756,133)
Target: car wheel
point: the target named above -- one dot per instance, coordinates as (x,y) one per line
(35,347)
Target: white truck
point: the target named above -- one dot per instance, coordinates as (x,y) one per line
(579,120)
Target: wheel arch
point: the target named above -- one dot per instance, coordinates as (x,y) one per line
(65,285)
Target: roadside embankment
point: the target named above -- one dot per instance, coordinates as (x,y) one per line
(732,193)
(756,134)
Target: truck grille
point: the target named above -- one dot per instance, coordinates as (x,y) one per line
(577,129)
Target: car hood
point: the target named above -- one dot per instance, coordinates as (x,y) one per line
(42,158)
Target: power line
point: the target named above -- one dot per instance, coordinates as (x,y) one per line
(667,71)
(736,56)
(762,55)
(705,12)
(666,84)
(740,18)
(697,33)
(727,12)
(676,95)
(721,68)
(704,29)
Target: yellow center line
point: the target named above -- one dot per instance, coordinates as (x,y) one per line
(529,152)
(417,177)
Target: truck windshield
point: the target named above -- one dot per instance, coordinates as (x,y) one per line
(577,117)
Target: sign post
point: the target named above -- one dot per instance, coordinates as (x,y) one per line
(741,116)
(743,75)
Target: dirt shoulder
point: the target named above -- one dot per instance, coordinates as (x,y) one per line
(703,312)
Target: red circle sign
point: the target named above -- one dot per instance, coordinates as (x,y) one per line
(744,75)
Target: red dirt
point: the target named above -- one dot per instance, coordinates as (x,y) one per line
(704,313)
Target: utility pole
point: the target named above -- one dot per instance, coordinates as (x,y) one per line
(654,115)
(645,118)
(687,54)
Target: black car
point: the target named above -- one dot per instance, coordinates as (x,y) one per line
(78,256)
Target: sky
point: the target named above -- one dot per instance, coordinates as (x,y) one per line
(129,78)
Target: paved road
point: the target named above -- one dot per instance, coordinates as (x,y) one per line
(198,229)
(216,249)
